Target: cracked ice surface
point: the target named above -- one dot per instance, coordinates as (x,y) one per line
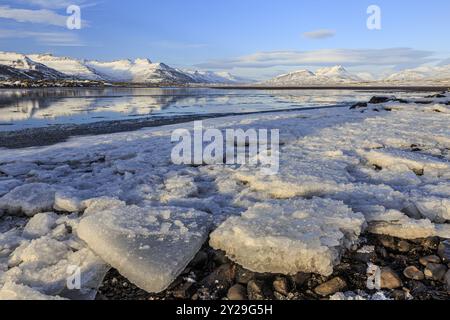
(390,166)
(290,236)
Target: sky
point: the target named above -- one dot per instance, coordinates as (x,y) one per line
(253,38)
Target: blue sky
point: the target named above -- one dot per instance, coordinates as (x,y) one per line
(255,38)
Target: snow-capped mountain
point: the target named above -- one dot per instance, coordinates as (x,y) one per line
(421,74)
(47,66)
(19,66)
(324,76)
(214,77)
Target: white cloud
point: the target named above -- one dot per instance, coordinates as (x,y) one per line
(66,39)
(52,4)
(326,57)
(42,16)
(320,34)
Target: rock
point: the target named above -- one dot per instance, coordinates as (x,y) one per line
(417,288)
(403,246)
(200,259)
(430,243)
(447,280)
(222,278)
(255,290)
(185,291)
(359,105)
(390,279)
(243,276)
(435,271)
(378,100)
(237,293)
(413,273)
(429,259)
(220,257)
(398,295)
(281,285)
(301,278)
(387,242)
(365,254)
(444,251)
(331,287)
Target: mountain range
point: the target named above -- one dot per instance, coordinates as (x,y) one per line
(338,75)
(49,67)
(16,66)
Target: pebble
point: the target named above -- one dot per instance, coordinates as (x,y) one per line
(444,251)
(301,278)
(281,285)
(447,280)
(331,287)
(413,273)
(390,279)
(435,271)
(185,291)
(200,259)
(429,259)
(237,293)
(255,290)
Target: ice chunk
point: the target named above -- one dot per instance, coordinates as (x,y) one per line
(40,225)
(13,291)
(101,204)
(68,201)
(7,185)
(149,245)
(18,168)
(29,199)
(290,236)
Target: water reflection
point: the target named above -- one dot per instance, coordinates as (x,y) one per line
(23,108)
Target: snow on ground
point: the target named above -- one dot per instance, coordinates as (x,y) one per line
(386,167)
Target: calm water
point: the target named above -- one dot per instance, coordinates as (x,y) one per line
(23,108)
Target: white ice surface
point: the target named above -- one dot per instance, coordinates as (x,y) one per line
(150,246)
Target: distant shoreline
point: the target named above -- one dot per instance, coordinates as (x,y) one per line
(359,88)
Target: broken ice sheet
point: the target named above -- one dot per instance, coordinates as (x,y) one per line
(150,246)
(290,236)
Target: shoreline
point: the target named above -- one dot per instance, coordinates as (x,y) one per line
(46,136)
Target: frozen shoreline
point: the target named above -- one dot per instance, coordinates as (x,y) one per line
(384,168)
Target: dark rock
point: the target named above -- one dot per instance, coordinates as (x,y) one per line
(220,258)
(447,280)
(221,279)
(281,285)
(300,279)
(413,273)
(435,271)
(429,259)
(200,259)
(243,276)
(359,105)
(331,287)
(377,100)
(398,295)
(430,243)
(444,251)
(403,246)
(390,279)
(237,293)
(439,95)
(387,242)
(417,288)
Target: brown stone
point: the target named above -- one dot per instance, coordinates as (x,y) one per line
(237,293)
(390,279)
(413,273)
(281,285)
(435,271)
(429,259)
(331,287)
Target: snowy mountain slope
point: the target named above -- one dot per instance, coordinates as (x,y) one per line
(323,76)
(19,66)
(426,73)
(69,66)
(214,77)
(139,71)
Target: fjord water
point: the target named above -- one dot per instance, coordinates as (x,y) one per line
(32,108)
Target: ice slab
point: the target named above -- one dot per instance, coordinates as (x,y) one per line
(290,236)
(28,199)
(150,246)
(13,291)
(40,225)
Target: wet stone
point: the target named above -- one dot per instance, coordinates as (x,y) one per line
(331,287)
(243,276)
(237,293)
(435,271)
(390,279)
(413,273)
(444,251)
(429,259)
(281,285)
